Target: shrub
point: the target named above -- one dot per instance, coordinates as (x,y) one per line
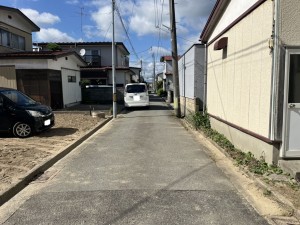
(160,92)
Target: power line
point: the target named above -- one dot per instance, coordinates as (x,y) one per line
(120,17)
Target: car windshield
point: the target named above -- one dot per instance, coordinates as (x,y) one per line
(135,88)
(18,98)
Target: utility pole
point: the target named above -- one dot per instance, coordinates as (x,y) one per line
(113,62)
(153,72)
(141,61)
(174,59)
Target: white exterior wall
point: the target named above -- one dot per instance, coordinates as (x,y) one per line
(191,70)
(233,11)
(122,77)
(71,90)
(26,63)
(186,71)
(290,22)
(239,86)
(70,61)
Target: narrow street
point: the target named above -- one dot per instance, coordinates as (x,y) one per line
(141,168)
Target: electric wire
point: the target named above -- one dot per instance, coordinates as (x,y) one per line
(126,32)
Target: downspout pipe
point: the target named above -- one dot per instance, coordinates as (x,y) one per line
(275,73)
(205,80)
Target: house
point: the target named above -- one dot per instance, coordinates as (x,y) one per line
(51,78)
(15,35)
(167,73)
(253,75)
(191,72)
(15,30)
(98,56)
(136,77)
(159,77)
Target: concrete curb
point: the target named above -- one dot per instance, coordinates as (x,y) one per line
(277,196)
(38,169)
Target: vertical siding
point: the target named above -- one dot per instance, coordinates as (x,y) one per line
(8,77)
(239,85)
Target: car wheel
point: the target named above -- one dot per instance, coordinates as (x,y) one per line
(22,130)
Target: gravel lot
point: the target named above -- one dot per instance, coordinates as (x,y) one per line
(19,156)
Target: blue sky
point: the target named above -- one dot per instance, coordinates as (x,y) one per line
(146,22)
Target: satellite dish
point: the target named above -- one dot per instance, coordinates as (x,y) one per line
(82,52)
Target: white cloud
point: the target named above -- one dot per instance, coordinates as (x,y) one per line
(160,51)
(53,35)
(41,19)
(104,28)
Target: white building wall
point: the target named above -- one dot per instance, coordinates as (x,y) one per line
(239,84)
(191,72)
(233,11)
(26,63)
(71,90)
(186,70)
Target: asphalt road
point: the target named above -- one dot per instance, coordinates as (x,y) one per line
(141,168)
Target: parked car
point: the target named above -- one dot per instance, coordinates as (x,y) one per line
(21,115)
(136,95)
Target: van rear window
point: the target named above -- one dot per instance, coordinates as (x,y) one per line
(136,88)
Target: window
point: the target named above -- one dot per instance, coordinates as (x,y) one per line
(5,40)
(11,40)
(72,79)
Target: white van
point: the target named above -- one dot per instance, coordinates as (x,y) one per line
(136,95)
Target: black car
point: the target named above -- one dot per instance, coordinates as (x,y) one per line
(21,115)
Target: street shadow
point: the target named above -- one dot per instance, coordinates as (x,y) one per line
(52,132)
(150,108)
(59,131)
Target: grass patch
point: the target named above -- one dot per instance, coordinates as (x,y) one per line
(200,121)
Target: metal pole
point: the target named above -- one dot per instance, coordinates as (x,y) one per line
(140,71)
(174,59)
(153,73)
(113,62)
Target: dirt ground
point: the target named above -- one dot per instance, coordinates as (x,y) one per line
(19,156)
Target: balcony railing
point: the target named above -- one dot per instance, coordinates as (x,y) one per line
(92,60)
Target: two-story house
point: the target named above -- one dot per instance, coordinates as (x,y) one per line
(98,56)
(51,78)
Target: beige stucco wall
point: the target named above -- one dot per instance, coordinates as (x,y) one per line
(247,143)
(8,77)
(290,22)
(239,85)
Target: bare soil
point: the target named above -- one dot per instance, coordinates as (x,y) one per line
(19,156)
